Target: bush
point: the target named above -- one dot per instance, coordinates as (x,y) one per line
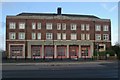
(110,52)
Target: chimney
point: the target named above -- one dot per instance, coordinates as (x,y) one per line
(59,10)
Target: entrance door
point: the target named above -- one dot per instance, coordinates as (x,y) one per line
(85,51)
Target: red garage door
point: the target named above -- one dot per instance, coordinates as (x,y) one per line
(36,51)
(49,51)
(73,51)
(16,50)
(61,51)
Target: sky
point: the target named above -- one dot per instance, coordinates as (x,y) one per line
(104,10)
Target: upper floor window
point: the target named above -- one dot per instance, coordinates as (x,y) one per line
(64,36)
(49,26)
(12,25)
(48,35)
(21,25)
(58,36)
(98,27)
(21,35)
(82,36)
(105,37)
(38,35)
(58,26)
(82,27)
(33,25)
(73,36)
(105,28)
(73,26)
(12,35)
(63,26)
(97,36)
(38,25)
(87,36)
(87,27)
(33,35)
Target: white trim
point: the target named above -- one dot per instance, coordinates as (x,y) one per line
(63,40)
(23,51)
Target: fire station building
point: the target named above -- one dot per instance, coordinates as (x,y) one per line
(56,35)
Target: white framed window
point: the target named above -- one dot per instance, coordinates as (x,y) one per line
(49,26)
(12,25)
(33,35)
(105,28)
(97,36)
(38,35)
(21,25)
(73,36)
(105,36)
(82,27)
(48,36)
(82,36)
(64,36)
(63,26)
(58,26)
(12,35)
(73,26)
(33,25)
(21,35)
(87,36)
(87,27)
(58,36)
(39,25)
(98,27)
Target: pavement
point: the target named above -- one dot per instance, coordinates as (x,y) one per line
(61,62)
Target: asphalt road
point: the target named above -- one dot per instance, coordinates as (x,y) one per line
(66,70)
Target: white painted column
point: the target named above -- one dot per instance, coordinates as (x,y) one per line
(91,50)
(67,51)
(29,51)
(42,55)
(24,51)
(79,53)
(55,51)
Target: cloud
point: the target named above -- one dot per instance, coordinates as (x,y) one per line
(113,8)
(108,8)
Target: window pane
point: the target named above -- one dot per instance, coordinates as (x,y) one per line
(63,26)
(39,25)
(12,36)
(12,25)
(21,35)
(58,26)
(82,27)
(49,26)
(33,25)
(39,35)
(21,25)
(33,35)
(87,27)
(58,35)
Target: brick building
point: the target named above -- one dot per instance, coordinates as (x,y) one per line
(56,35)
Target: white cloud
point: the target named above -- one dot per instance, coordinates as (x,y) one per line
(109,9)
(113,8)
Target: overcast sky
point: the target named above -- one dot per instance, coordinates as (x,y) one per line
(105,10)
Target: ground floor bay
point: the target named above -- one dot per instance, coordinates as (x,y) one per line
(51,50)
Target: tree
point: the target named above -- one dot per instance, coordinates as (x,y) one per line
(116,49)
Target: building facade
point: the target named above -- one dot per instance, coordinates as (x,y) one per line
(50,35)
